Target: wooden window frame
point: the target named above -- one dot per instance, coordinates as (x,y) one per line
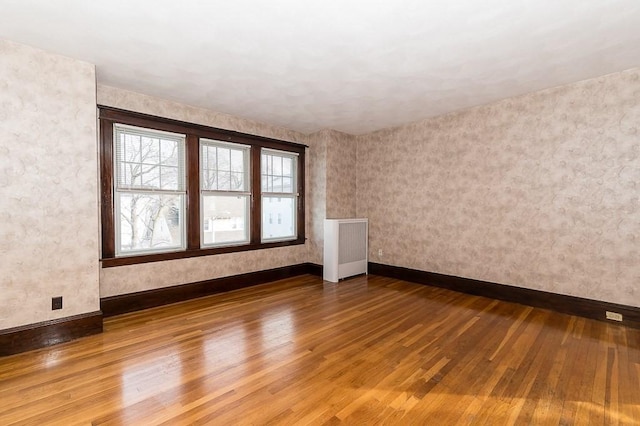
(108,116)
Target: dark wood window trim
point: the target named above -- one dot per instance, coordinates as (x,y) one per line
(109,116)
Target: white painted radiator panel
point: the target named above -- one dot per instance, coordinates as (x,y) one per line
(345,248)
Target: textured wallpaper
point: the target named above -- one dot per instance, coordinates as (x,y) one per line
(332,184)
(539,191)
(317,193)
(341,176)
(128,279)
(48,186)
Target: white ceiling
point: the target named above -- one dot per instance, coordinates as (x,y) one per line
(349,65)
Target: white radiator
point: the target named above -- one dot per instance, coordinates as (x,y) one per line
(345,248)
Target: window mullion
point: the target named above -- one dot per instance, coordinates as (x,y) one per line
(256,197)
(107,174)
(192,153)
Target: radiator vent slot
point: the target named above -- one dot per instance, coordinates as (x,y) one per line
(345,248)
(352,242)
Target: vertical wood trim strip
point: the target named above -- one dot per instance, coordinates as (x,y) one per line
(301,195)
(193,192)
(106,188)
(256,196)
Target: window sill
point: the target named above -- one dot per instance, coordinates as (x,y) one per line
(159,257)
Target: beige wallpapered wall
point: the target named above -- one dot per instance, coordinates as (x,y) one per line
(317,193)
(48,186)
(132,278)
(539,191)
(332,184)
(341,175)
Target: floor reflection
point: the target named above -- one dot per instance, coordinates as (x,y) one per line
(145,379)
(226,347)
(277,328)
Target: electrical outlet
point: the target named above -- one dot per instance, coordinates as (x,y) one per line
(614,316)
(380,253)
(56,303)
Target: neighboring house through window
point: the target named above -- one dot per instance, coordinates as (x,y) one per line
(279,194)
(225,192)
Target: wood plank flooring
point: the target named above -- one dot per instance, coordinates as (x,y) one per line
(369,350)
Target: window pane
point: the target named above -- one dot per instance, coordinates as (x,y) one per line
(237,161)
(169,152)
(150,222)
(224,159)
(140,155)
(150,177)
(277,184)
(131,147)
(264,174)
(277,165)
(126,175)
(209,180)
(224,181)
(223,168)
(266,170)
(278,172)
(287,184)
(211,159)
(237,181)
(225,219)
(169,176)
(283,209)
(150,150)
(131,174)
(286,167)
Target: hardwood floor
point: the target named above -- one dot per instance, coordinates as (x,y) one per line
(368,350)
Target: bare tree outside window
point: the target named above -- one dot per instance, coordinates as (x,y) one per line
(149,190)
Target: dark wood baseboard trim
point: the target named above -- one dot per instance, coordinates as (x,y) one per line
(314,269)
(116,305)
(34,336)
(588,308)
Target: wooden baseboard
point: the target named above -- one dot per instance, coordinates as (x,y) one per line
(588,308)
(314,269)
(34,336)
(131,302)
